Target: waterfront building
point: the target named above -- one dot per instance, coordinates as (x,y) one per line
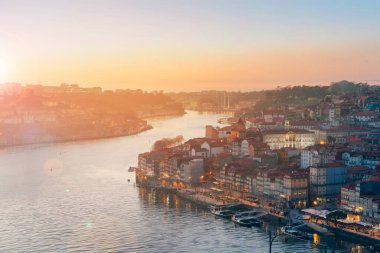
(149,162)
(192,171)
(228,172)
(285,186)
(326,181)
(220,160)
(211,132)
(296,188)
(362,198)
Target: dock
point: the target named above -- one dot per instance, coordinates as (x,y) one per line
(318,229)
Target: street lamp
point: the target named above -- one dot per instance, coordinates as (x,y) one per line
(271,239)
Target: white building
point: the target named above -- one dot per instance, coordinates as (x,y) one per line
(296,138)
(352,159)
(214,148)
(318,154)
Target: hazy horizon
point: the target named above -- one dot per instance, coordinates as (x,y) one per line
(179,90)
(181,45)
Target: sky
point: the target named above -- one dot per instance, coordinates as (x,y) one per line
(188,45)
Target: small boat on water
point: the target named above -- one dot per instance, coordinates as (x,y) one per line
(224,211)
(292,232)
(249,218)
(247,215)
(249,222)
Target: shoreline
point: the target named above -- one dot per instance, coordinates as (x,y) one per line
(147,128)
(68,140)
(204,203)
(164,115)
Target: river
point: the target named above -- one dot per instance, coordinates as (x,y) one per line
(75,197)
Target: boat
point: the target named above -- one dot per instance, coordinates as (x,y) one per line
(249,222)
(292,232)
(224,211)
(247,215)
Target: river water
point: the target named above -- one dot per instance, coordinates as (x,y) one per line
(75,197)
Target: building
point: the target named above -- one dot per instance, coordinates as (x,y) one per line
(273,115)
(362,199)
(192,171)
(317,154)
(352,159)
(301,124)
(368,159)
(364,117)
(205,147)
(338,134)
(211,132)
(296,138)
(149,162)
(253,122)
(326,182)
(296,188)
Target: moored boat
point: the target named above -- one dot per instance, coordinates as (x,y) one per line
(249,222)
(292,232)
(247,215)
(225,211)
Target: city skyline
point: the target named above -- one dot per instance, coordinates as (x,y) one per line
(198,45)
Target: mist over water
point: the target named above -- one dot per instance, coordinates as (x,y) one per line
(75,197)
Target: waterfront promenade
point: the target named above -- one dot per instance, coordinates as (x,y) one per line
(203,197)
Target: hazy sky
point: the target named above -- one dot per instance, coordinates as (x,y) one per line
(189,44)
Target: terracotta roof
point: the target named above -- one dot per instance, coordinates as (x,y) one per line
(252,119)
(365,114)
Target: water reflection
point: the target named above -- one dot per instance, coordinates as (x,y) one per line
(185,209)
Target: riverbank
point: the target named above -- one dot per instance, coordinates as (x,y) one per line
(370,238)
(162,115)
(204,201)
(77,139)
(355,235)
